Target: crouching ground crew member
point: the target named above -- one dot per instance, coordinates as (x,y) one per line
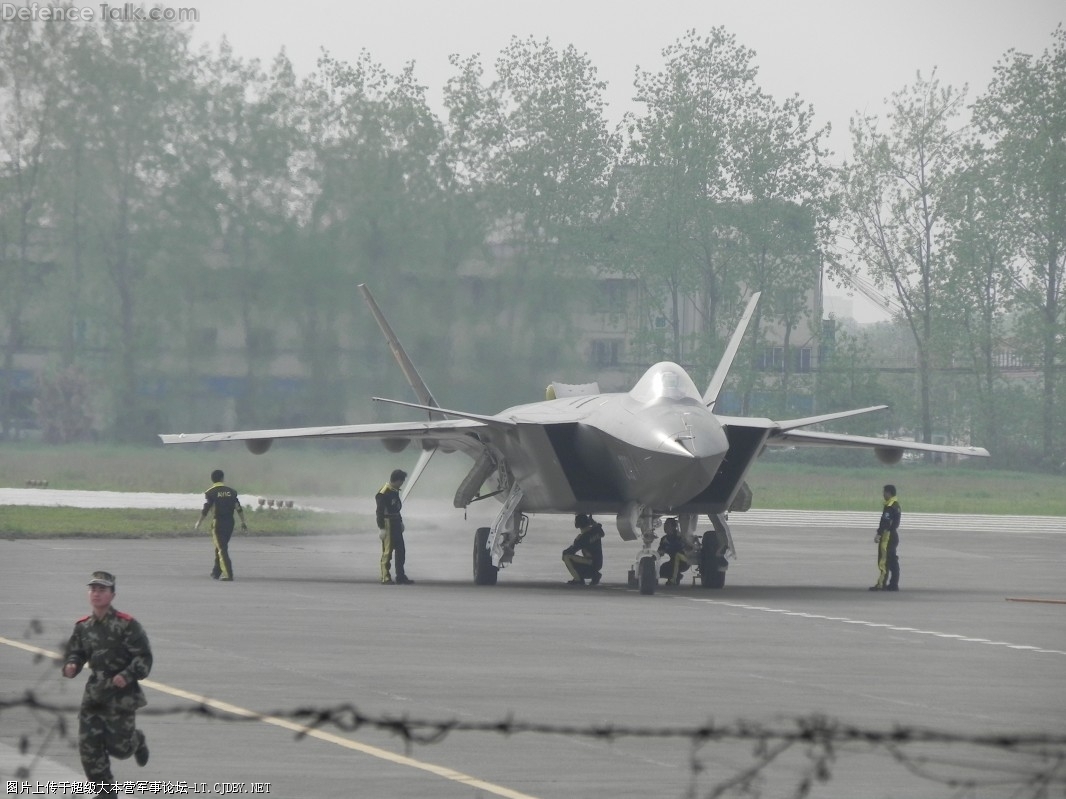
(887,539)
(115,648)
(672,547)
(390,523)
(589,543)
(224,500)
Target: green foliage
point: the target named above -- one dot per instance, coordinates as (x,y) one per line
(33,522)
(189,229)
(62,406)
(1024,116)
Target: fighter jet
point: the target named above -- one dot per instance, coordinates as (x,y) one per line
(656,451)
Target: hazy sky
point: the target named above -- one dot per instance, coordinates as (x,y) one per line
(842,56)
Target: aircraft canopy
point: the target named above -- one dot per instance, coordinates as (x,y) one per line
(665,380)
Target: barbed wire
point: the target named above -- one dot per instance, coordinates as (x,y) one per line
(1031,766)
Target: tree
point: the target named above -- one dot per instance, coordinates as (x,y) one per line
(722,190)
(30,81)
(981,279)
(782,223)
(129,87)
(895,196)
(1023,113)
(532,152)
(680,173)
(239,188)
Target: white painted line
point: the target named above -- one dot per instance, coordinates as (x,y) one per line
(310,732)
(879,625)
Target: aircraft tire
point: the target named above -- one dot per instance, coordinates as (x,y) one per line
(711,576)
(484,572)
(647,577)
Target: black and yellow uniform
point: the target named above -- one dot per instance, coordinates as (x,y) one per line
(225,502)
(390,523)
(115,644)
(672,547)
(887,539)
(589,543)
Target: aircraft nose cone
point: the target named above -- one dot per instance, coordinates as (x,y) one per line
(692,435)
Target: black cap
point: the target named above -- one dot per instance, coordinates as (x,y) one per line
(397,476)
(106,579)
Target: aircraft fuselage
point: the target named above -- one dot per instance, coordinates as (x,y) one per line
(657,445)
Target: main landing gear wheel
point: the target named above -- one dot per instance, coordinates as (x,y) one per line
(647,577)
(712,565)
(484,572)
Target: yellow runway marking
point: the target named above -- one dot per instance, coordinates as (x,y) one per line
(285,724)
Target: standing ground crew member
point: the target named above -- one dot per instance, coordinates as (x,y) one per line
(887,539)
(224,500)
(390,523)
(589,542)
(115,648)
(672,547)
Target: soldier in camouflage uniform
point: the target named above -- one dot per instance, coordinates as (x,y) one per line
(115,648)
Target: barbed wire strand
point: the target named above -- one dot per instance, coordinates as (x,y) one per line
(1037,765)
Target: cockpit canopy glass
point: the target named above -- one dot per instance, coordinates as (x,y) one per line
(665,380)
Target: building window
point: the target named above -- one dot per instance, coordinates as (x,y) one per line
(772,359)
(606,352)
(204,339)
(612,296)
(261,342)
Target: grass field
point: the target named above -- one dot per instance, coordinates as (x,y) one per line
(349,469)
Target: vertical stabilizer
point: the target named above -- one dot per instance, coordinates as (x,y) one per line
(718,378)
(418,385)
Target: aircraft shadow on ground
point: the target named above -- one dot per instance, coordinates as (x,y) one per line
(735,593)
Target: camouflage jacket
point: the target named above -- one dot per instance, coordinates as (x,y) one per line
(115,644)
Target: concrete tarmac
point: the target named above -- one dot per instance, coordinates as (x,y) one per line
(794,635)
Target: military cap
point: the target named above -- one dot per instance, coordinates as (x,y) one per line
(106,579)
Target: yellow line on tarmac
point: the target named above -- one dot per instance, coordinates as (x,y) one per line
(347,743)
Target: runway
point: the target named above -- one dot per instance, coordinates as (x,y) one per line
(617,681)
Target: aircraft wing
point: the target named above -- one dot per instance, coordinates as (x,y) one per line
(459,433)
(786,434)
(811,438)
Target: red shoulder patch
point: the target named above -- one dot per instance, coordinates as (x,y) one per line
(84,618)
(124,616)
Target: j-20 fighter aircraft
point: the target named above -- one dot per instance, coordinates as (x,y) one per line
(656,451)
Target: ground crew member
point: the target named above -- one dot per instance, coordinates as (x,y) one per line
(672,547)
(887,539)
(390,523)
(584,558)
(115,648)
(224,500)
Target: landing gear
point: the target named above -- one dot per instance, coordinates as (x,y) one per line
(647,577)
(494,546)
(644,573)
(717,543)
(484,572)
(712,567)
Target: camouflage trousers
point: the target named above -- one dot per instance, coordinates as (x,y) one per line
(104,732)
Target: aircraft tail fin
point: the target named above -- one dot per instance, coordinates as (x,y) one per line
(718,378)
(418,385)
